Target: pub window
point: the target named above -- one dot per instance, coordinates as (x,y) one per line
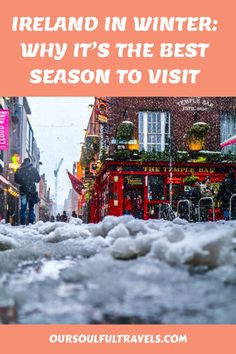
(177,191)
(228,129)
(15,132)
(155,187)
(27,137)
(153,130)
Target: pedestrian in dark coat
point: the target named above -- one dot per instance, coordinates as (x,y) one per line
(226,190)
(195,196)
(74,215)
(52,218)
(64,217)
(195,193)
(139,207)
(26,176)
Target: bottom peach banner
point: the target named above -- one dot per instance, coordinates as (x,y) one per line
(91,339)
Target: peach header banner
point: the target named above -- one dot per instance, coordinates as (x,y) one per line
(168,48)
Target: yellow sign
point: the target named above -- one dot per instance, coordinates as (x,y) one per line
(15,164)
(102,119)
(79,170)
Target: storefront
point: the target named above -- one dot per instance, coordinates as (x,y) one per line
(9,201)
(148,185)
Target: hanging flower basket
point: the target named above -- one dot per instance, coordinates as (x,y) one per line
(196,135)
(122,155)
(125,131)
(195,145)
(198,131)
(190,179)
(133,145)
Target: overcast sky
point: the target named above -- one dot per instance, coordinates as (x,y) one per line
(58,124)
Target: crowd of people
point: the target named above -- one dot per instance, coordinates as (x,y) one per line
(221,197)
(226,190)
(63,217)
(134,207)
(27,176)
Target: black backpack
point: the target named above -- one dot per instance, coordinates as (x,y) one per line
(25,176)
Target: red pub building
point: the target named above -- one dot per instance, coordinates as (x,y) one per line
(154,148)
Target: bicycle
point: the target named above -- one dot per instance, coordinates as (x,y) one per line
(187,209)
(167,213)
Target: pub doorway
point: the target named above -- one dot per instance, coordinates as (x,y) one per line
(136,195)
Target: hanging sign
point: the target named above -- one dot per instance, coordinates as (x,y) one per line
(102,119)
(175,180)
(133,180)
(4,129)
(101,111)
(79,170)
(93,167)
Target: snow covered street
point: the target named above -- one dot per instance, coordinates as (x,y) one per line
(122,270)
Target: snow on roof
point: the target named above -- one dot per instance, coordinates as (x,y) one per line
(127,122)
(200,123)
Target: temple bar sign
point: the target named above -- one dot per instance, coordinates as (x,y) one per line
(190,169)
(179,169)
(195,103)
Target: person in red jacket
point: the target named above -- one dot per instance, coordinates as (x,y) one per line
(128,205)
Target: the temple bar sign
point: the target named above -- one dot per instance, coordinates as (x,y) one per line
(195,104)
(179,169)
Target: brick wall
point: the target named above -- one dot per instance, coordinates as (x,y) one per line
(184,112)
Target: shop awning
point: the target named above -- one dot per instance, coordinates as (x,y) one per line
(10,188)
(4,180)
(228,142)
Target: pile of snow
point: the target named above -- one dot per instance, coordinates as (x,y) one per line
(68,231)
(7,243)
(175,243)
(121,270)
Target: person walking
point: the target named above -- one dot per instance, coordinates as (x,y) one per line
(226,190)
(52,218)
(206,192)
(58,217)
(64,217)
(206,189)
(195,193)
(194,197)
(128,205)
(74,215)
(139,207)
(26,176)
